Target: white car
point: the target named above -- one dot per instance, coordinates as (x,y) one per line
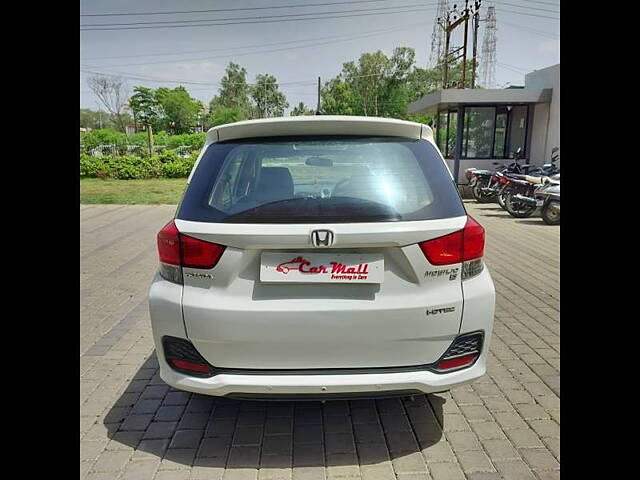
(318,257)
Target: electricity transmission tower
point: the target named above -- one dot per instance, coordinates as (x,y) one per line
(488,59)
(437,36)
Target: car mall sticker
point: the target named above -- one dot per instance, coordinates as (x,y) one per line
(322,267)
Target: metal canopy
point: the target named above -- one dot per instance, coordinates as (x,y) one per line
(443,99)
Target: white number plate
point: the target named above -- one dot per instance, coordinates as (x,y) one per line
(322,267)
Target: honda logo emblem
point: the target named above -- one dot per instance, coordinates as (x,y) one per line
(322,238)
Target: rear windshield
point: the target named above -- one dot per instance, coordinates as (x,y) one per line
(299,180)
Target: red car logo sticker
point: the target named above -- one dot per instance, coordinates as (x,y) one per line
(337,270)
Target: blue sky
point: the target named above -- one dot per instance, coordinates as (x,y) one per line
(296,52)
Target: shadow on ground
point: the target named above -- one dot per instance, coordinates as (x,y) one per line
(191,429)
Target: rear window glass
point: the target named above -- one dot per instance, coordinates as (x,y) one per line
(295,180)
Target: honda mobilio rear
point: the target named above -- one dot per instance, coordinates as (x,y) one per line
(319,257)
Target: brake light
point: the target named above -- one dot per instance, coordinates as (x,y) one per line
(504,180)
(197,253)
(461,246)
(169,244)
(177,250)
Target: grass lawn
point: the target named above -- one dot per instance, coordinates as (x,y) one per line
(158,191)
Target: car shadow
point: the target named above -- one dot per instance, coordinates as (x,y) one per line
(198,430)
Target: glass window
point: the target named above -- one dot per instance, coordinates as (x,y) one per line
(517,129)
(441,131)
(280,180)
(453,132)
(501,133)
(478,131)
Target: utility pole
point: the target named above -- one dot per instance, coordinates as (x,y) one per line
(449,22)
(464,48)
(150,139)
(476,21)
(318,109)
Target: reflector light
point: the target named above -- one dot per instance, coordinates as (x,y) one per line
(190,366)
(457,362)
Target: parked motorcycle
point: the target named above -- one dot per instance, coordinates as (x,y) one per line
(513,182)
(521,200)
(548,197)
(483,183)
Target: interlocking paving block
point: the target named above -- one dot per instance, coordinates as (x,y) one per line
(133,426)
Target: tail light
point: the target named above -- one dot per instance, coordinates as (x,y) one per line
(504,180)
(183,357)
(465,246)
(177,250)
(462,353)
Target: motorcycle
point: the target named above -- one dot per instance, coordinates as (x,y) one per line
(483,183)
(508,182)
(548,198)
(521,200)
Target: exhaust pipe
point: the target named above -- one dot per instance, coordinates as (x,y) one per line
(522,199)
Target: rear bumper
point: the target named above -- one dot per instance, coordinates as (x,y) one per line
(316,386)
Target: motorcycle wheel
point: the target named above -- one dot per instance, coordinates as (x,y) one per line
(550,214)
(479,195)
(517,209)
(502,197)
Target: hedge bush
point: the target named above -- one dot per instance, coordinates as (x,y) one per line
(94,138)
(128,167)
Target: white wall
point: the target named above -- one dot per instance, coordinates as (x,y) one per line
(548,78)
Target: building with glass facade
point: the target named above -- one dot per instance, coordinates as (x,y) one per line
(475,128)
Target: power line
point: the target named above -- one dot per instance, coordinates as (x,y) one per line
(529,29)
(227,9)
(528,14)
(255,52)
(284,42)
(527,7)
(555,4)
(113,73)
(289,15)
(256,21)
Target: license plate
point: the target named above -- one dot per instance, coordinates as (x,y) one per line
(322,267)
(539,203)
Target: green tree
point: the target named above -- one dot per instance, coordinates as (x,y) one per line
(338,98)
(234,92)
(147,111)
(145,106)
(268,100)
(223,115)
(181,112)
(384,86)
(302,109)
